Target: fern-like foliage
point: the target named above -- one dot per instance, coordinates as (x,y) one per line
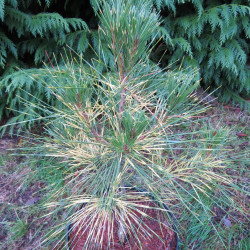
(27,93)
(17,94)
(38,32)
(212,35)
(27,38)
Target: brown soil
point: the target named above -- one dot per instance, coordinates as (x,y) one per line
(77,238)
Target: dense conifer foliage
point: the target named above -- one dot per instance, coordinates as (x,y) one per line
(32,32)
(211,35)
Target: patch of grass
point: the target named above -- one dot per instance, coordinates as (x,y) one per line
(231,225)
(18,229)
(22,221)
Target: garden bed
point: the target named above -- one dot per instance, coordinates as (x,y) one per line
(21,225)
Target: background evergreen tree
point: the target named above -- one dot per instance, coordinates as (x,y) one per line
(212,35)
(32,32)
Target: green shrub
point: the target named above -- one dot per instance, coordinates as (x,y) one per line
(27,29)
(28,36)
(213,36)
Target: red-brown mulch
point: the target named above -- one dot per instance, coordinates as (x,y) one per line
(78,237)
